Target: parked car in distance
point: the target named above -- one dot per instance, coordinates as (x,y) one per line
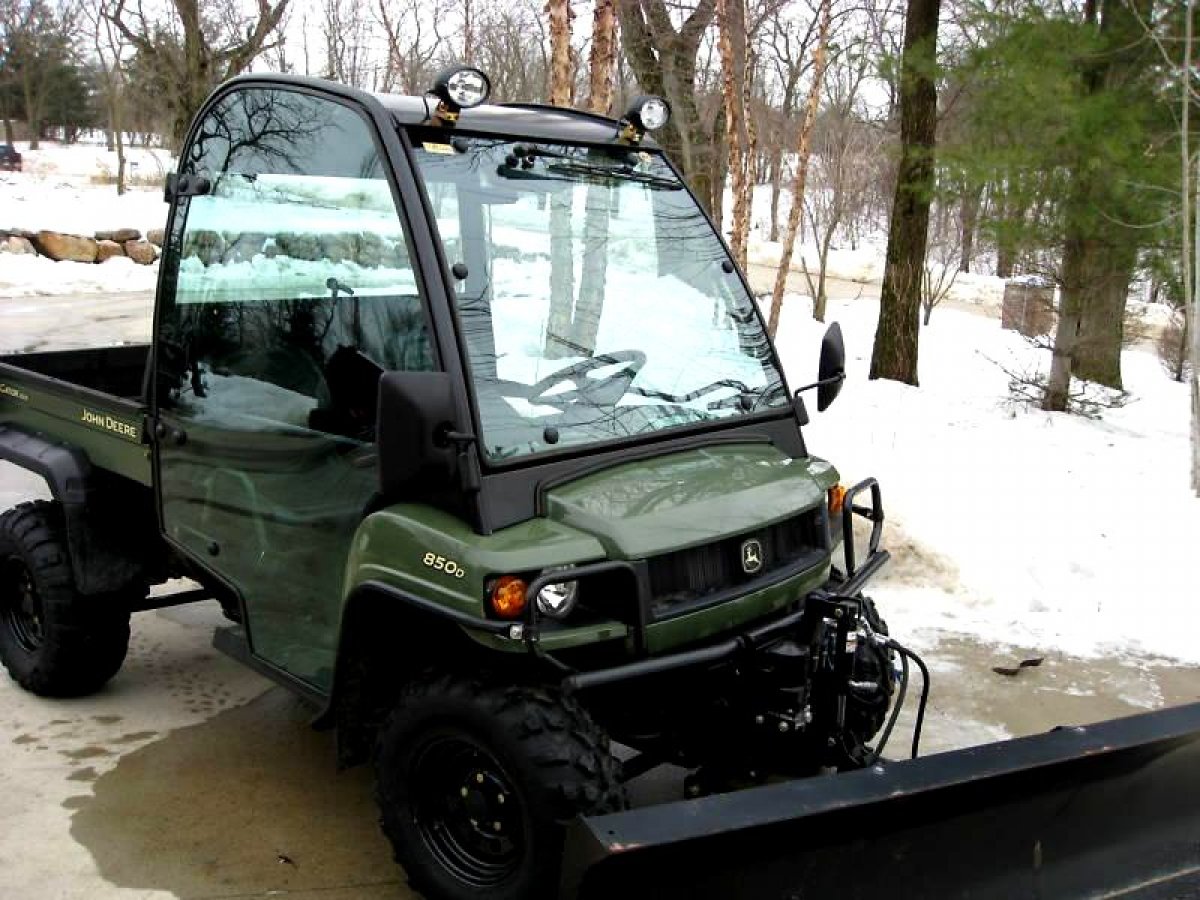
(10,159)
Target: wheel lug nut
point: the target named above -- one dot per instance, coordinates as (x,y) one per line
(463,792)
(496,826)
(500,798)
(479,778)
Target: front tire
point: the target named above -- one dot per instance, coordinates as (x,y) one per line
(53,642)
(476,782)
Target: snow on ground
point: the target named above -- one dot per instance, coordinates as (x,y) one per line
(29,276)
(61,189)
(1041,529)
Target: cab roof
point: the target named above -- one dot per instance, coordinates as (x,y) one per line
(517,120)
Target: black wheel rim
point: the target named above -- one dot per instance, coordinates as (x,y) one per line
(20,605)
(466,810)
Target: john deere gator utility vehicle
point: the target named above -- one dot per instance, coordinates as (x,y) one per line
(468,420)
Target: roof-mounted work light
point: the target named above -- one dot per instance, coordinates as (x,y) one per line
(458,88)
(644,114)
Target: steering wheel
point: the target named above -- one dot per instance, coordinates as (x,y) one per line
(594,390)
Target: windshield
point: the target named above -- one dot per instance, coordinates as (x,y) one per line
(595,300)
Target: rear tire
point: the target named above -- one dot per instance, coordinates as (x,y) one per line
(53,642)
(476,782)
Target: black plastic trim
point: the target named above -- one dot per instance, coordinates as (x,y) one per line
(231,641)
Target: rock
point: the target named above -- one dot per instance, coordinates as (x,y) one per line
(107,249)
(243,247)
(208,246)
(65,246)
(14,243)
(121,235)
(337,247)
(156,236)
(299,246)
(141,252)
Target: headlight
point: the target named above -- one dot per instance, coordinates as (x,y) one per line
(558,600)
(648,113)
(462,87)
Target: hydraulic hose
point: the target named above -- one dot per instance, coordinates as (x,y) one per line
(895,714)
(906,654)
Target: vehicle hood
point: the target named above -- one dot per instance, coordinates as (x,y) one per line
(689,498)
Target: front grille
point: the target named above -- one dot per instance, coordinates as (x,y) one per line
(686,577)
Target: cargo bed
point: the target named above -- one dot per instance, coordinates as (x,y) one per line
(90,399)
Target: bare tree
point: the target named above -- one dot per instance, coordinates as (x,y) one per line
(346,27)
(413,43)
(803,151)
(845,168)
(111,49)
(199,45)
(943,257)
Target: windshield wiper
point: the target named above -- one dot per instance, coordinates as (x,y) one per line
(519,164)
(624,173)
(746,399)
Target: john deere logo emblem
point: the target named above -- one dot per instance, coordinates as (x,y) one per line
(751,556)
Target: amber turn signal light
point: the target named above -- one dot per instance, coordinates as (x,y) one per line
(508,596)
(837,498)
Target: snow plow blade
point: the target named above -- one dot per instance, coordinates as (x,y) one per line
(1104,810)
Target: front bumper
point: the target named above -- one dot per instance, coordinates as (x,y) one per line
(845,584)
(784,595)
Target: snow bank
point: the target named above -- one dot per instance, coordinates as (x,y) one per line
(1029,528)
(32,276)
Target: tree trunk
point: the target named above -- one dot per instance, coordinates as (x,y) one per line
(1102,318)
(561,83)
(968,220)
(1195,326)
(1099,253)
(821,302)
(803,152)
(1076,260)
(603,58)
(898,331)
(468,32)
(776,189)
(715,200)
(33,114)
(731,41)
(1006,259)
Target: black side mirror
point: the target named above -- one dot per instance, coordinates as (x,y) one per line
(832,370)
(416,410)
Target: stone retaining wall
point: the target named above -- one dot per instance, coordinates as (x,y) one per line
(98,248)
